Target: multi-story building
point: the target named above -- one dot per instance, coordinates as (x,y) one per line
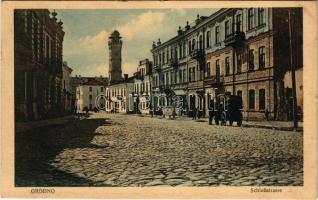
(90,95)
(244,52)
(38,50)
(142,86)
(119,97)
(80,80)
(67,89)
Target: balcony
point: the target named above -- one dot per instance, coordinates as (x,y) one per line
(214,81)
(235,39)
(157,68)
(174,62)
(197,54)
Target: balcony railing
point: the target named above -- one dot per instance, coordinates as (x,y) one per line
(157,68)
(234,39)
(197,54)
(214,81)
(174,62)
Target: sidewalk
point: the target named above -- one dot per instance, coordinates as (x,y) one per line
(24,126)
(277,125)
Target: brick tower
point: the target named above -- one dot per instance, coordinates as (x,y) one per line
(114,45)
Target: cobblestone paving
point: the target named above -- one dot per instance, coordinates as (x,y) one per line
(126,150)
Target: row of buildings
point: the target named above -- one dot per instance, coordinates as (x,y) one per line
(242,51)
(41,78)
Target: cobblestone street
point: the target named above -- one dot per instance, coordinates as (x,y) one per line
(128,150)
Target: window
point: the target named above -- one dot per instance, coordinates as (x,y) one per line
(250,18)
(251,60)
(171,78)
(189,47)
(190,75)
(167,55)
(193,44)
(261,16)
(193,74)
(208,38)
(90,89)
(180,76)
(239,93)
(227,66)
(261,57)
(90,106)
(163,58)
(217,69)
(102,89)
(200,42)
(239,63)
(90,97)
(251,99)
(184,76)
(208,72)
(217,34)
(227,28)
(176,77)
(239,23)
(184,49)
(261,99)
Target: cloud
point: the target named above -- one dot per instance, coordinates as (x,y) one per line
(129,67)
(143,26)
(92,70)
(180,11)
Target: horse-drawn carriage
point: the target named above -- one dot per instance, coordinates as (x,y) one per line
(226,107)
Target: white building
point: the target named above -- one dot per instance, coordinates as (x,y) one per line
(119,98)
(142,86)
(91,95)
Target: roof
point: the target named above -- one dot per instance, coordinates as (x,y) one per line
(94,82)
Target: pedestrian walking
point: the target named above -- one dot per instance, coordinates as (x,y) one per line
(194,113)
(267,115)
(211,112)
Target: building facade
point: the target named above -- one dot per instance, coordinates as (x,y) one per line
(77,81)
(90,95)
(142,86)
(119,98)
(38,56)
(67,89)
(244,52)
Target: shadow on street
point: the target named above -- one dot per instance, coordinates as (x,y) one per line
(34,149)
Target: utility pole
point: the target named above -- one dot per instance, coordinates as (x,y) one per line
(292,73)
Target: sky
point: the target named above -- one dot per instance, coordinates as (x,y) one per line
(87,31)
